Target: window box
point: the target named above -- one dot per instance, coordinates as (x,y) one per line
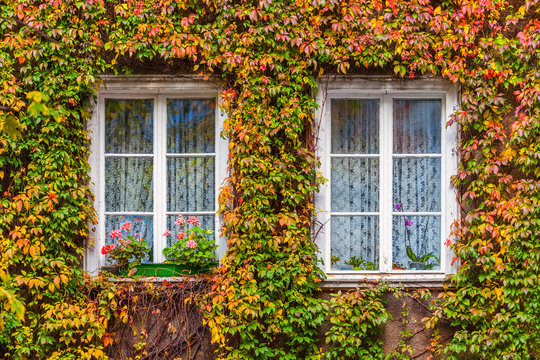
(166,270)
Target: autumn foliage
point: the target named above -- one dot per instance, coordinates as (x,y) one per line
(268,56)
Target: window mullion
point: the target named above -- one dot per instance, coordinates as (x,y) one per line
(160,177)
(386,185)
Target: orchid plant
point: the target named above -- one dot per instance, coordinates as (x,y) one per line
(129,249)
(416,260)
(194,246)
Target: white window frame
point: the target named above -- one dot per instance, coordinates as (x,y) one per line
(159,88)
(386,89)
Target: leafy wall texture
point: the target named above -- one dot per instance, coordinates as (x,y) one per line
(268,56)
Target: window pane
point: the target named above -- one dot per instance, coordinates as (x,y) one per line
(207,222)
(355,126)
(355,241)
(422,234)
(417,126)
(190,184)
(129,126)
(355,184)
(191,125)
(417,184)
(141,225)
(128,184)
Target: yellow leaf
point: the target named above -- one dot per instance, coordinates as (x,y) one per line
(498,291)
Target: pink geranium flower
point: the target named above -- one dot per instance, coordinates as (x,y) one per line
(116,234)
(126,226)
(193,220)
(191,244)
(180,220)
(167,233)
(180,236)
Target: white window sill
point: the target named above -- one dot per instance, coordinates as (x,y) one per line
(404,278)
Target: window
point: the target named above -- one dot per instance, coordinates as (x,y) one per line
(156,154)
(388,155)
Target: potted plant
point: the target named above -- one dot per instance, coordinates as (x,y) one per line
(128,251)
(360,264)
(194,248)
(420,262)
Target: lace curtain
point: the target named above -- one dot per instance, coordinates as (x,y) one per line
(129,162)
(416,181)
(355,183)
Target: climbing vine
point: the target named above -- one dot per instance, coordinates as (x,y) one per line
(268,56)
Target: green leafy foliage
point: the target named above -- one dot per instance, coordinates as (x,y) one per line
(356,319)
(129,248)
(270,56)
(194,246)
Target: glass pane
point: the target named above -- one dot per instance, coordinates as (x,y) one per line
(140,226)
(129,126)
(191,125)
(416,184)
(128,184)
(355,126)
(190,184)
(355,184)
(417,126)
(422,235)
(207,222)
(355,242)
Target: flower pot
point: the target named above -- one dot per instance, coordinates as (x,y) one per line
(166,270)
(417,265)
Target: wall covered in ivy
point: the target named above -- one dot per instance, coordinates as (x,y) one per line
(269,55)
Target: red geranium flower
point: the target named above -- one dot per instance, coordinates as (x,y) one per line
(107,249)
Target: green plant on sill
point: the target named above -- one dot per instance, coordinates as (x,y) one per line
(129,249)
(422,259)
(360,264)
(194,246)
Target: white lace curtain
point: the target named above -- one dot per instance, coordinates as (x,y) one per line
(416,180)
(129,158)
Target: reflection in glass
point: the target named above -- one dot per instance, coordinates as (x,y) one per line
(129,126)
(141,225)
(416,184)
(128,184)
(207,222)
(355,242)
(355,126)
(190,184)
(190,125)
(422,234)
(417,126)
(355,184)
